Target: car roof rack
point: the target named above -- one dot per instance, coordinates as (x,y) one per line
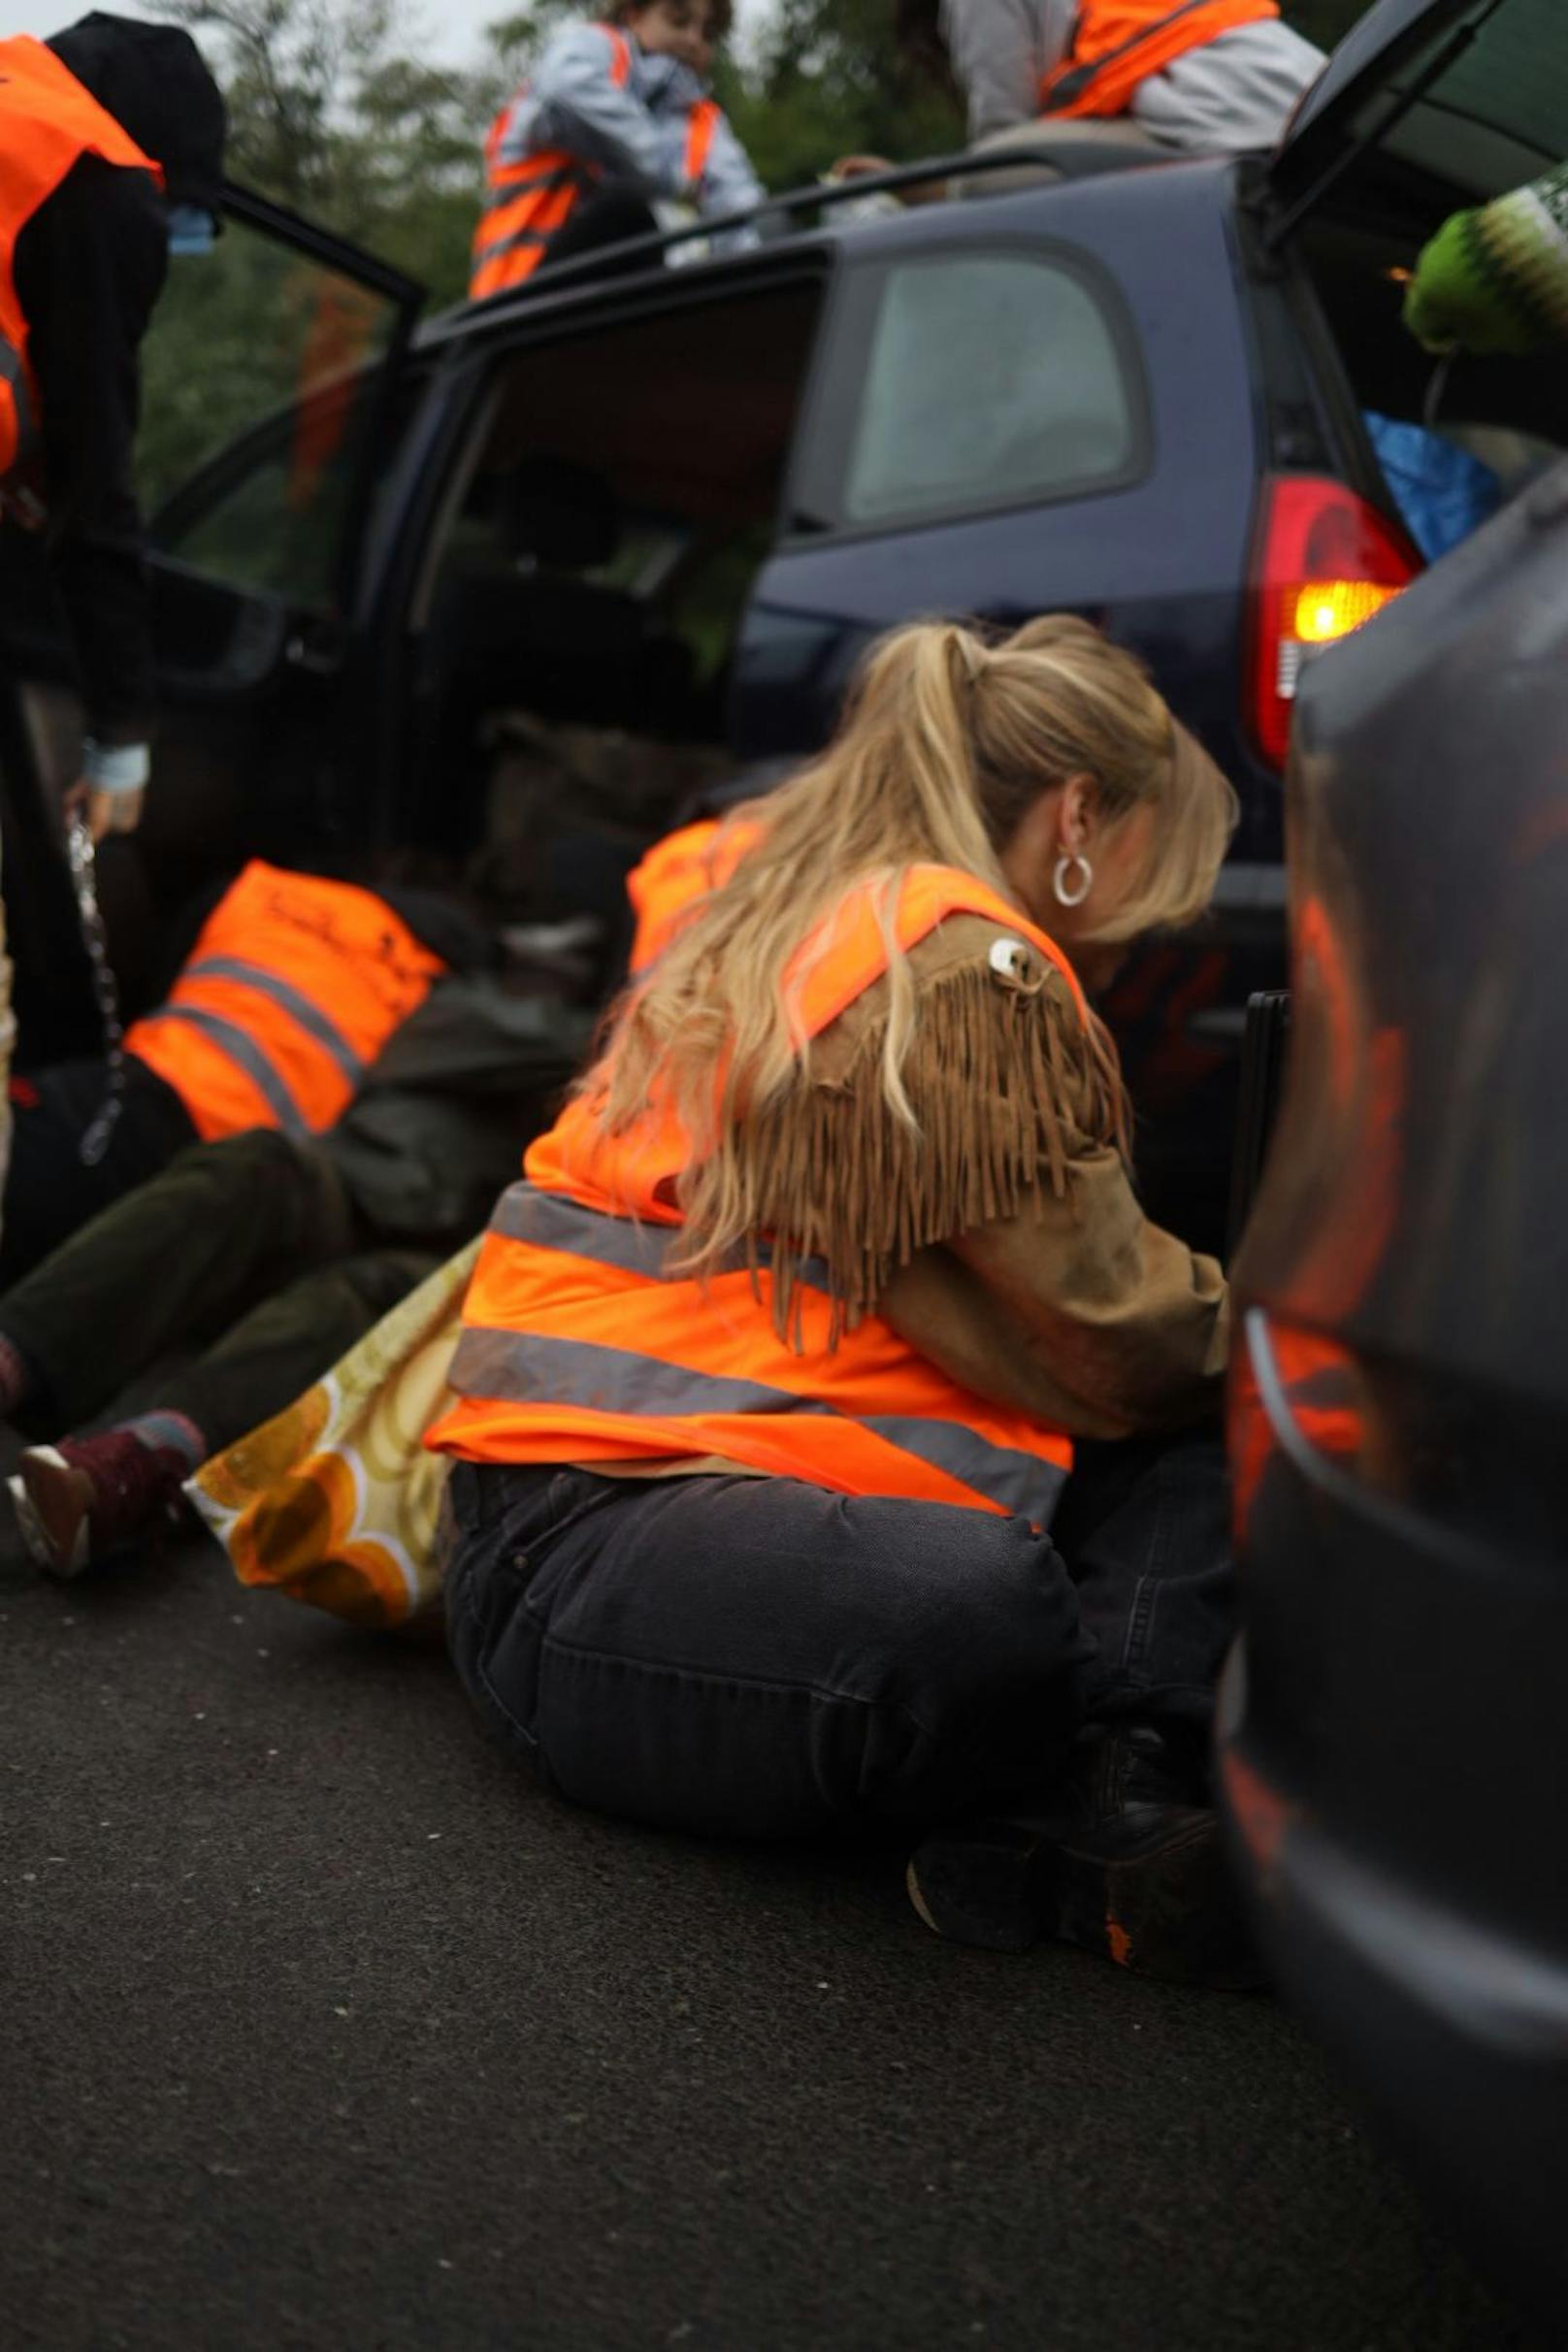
(1072,159)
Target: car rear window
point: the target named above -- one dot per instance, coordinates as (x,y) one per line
(990,378)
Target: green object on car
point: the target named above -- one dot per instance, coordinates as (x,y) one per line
(1494,281)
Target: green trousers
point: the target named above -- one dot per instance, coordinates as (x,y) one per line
(245,1250)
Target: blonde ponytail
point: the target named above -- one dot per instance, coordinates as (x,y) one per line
(944,745)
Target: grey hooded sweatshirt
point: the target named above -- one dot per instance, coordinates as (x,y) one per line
(1236,92)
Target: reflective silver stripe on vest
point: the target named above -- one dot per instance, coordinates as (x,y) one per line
(300,1008)
(517,242)
(562,176)
(15,373)
(531,1368)
(1021,1483)
(549,1221)
(242,1048)
(1073,84)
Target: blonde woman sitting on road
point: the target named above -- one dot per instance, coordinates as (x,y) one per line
(833,1432)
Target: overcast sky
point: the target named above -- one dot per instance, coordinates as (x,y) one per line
(453,27)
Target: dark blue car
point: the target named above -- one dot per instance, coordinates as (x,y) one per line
(668,508)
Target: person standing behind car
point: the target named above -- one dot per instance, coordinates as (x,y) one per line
(111,156)
(1211,77)
(614,115)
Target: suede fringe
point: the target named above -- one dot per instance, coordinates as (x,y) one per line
(834,1175)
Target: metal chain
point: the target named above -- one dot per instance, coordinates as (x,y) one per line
(85,883)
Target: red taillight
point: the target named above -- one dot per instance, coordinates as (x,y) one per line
(1325,562)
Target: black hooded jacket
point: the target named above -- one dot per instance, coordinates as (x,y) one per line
(89,268)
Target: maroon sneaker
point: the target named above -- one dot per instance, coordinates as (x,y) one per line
(83,1498)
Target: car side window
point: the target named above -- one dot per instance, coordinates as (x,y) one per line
(259,375)
(988,379)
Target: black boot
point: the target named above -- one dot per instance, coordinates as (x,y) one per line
(1124,1859)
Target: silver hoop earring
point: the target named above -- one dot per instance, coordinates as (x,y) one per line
(1075,895)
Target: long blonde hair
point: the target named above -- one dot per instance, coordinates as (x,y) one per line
(945,742)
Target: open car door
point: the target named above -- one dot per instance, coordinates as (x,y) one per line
(270,377)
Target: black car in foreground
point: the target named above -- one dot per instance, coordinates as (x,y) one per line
(1395,1728)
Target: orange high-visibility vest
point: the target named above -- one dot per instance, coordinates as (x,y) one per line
(1117,43)
(582,1343)
(676,874)
(532,199)
(294,986)
(48,123)
(700,124)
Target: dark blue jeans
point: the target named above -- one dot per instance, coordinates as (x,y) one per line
(761,1657)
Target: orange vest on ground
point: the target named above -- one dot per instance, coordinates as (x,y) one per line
(48,122)
(294,986)
(530,200)
(1117,43)
(581,1344)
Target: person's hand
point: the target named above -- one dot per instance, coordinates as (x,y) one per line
(106,812)
(866,167)
(1452,304)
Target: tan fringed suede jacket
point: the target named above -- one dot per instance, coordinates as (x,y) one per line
(1000,1235)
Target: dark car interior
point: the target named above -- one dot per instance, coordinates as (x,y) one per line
(578,612)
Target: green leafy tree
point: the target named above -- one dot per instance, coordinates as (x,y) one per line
(330,113)
(828,80)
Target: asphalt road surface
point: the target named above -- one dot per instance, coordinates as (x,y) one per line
(321,2029)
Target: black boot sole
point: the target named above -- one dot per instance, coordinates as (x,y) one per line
(1171,1914)
(993,1885)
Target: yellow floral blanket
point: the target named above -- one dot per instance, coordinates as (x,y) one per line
(334,1500)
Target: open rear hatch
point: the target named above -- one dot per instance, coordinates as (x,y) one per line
(1430,105)
(1426,108)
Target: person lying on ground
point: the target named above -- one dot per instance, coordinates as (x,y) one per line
(278,1251)
(614,116)
(833,1439)
(293,987)
(1494,278)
